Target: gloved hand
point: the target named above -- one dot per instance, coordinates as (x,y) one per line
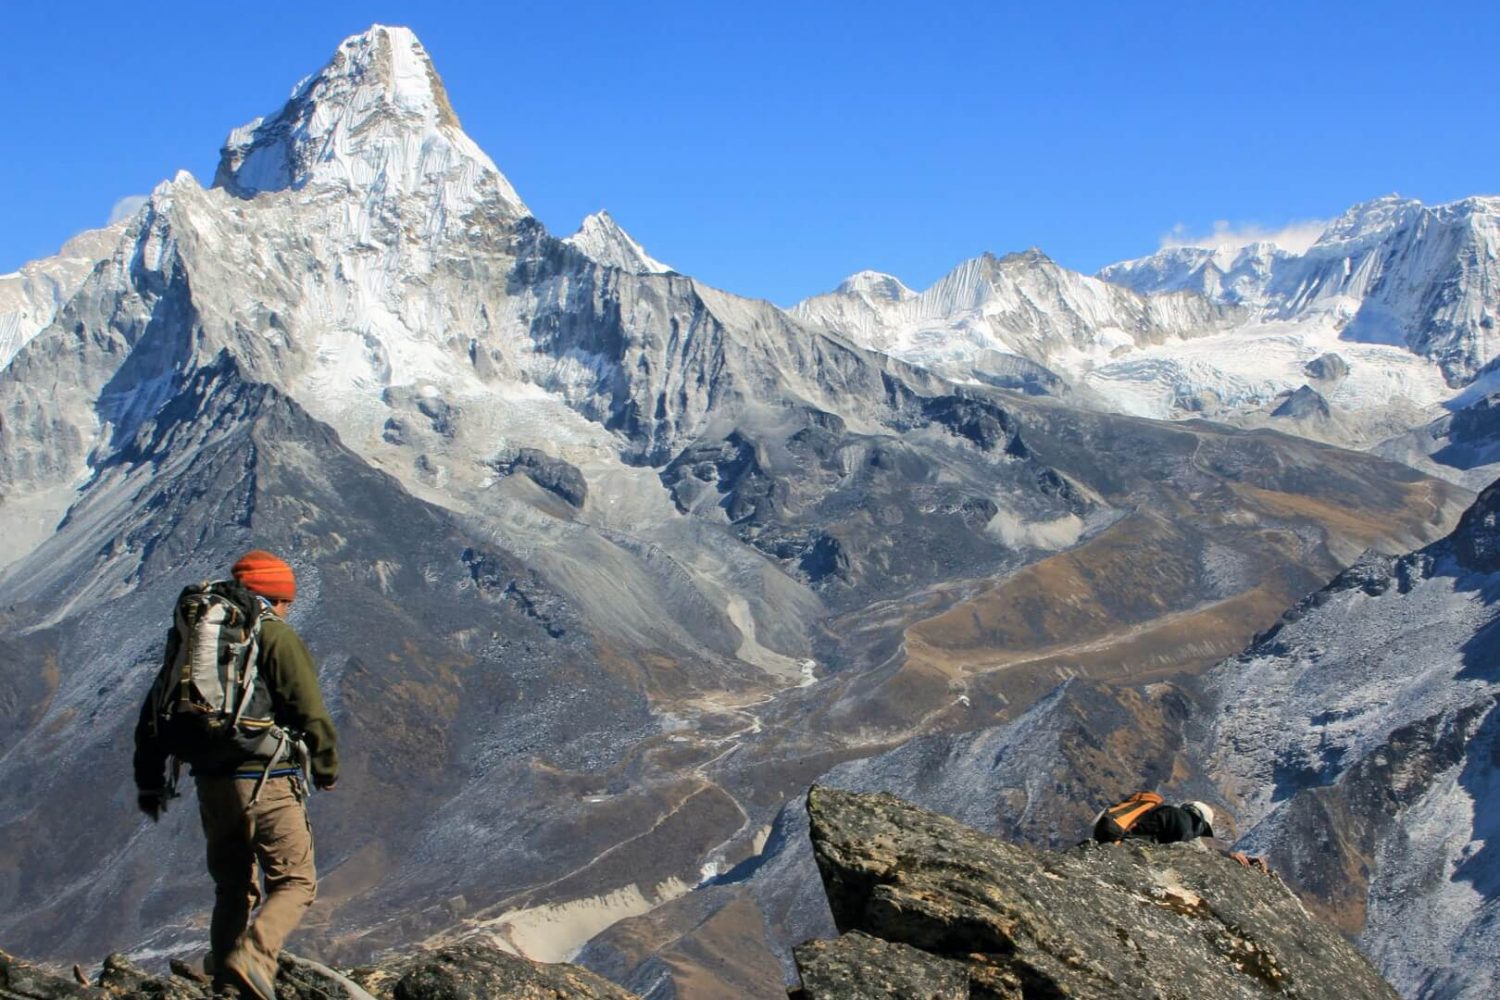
(152,802)
(324,783)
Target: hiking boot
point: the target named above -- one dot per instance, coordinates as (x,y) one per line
(183,970)
(249,982)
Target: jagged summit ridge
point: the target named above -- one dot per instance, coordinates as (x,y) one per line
(600,238)
(1389,271)
(375,118)
(1405,294)
(875,284)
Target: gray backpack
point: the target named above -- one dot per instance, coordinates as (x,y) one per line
(212,709)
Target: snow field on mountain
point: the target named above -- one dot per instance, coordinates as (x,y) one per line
(1249,366)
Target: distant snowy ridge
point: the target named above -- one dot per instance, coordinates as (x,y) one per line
(1389,271)
(1022,304)
(30,297)
(1361,337)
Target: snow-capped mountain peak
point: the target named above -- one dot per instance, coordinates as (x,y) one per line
(1021,312)
(375,118)
(875,285)
(1391,272)
(1367,224)
(600,238)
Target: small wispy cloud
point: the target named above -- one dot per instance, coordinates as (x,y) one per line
(126,207)
(1295,236)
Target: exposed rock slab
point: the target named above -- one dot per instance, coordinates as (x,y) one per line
(856,966)
(1105,922)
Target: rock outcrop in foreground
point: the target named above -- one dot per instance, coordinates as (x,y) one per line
(928,909)
(931,908)
(462,972)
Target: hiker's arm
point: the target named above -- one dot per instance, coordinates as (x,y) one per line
(150,762)
(1227,849)
(299,702)
(1251,861)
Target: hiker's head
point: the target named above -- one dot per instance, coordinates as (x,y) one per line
(269,576)
(1205,812)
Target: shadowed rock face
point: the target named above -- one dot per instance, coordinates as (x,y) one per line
(1356,743)
(551,474)
(1090,922)
(1305,402)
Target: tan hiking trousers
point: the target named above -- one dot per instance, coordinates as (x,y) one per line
(271,839)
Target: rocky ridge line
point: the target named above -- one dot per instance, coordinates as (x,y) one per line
(467,971)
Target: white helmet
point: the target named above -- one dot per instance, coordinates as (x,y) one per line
(1205,810)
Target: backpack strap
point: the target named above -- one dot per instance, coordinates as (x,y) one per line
(1117,821)
(1128,813)
(281,748)
(252,667)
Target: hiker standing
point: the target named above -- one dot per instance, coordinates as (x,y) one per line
(238,701)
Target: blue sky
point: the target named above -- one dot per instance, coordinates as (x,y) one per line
(772,149)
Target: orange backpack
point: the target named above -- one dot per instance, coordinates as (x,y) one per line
(1114,824)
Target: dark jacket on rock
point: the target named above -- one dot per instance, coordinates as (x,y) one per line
(1167,824)
(297,704)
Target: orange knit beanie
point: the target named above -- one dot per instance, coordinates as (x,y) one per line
(266,575)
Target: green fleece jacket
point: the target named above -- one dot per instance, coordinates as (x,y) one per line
(296,703)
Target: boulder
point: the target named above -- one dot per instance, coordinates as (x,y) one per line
(1305,402)
(22,980)
(857,966)
(1095,921)
(1328,367)
(476,971)
(122,977)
